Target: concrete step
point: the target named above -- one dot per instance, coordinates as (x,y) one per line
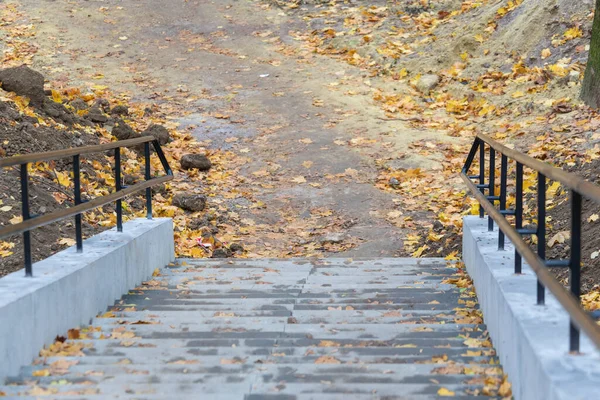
(269,396)
(239,386)
(278,330)
(188,375)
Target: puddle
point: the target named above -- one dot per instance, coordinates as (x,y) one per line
(215,131)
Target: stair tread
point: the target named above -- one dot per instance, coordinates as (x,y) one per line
(278,330)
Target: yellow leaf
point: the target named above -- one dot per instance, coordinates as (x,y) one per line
(559,70)
(63,178)
(420,251)
(546,53)
(471,342)
(299,179)
(67,241)
(327,360)
(56,96)
(445,392)
(573,33)
(434,237)
(394,214)
(41,372)
(560,237)
(197,252)
(505,389)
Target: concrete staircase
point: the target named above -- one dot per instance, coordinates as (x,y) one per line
(279,330)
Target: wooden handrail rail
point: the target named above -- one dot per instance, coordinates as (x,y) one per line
(58,154)
(572,181)
(80,208)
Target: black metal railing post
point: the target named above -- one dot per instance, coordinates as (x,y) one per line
(518,212)
(575,265)
(541,232)
(118,187)
(148,177)
(162,157)
(503,184)
(26,215)
(77,189)
(481,174)
(492,185)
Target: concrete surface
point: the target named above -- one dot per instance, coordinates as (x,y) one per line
(279,330)
(68,289)
(531,340)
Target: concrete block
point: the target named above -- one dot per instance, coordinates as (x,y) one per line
(68,289)
(532,341)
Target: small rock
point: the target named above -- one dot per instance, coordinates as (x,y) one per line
(103,104)
(427,83)
(221,252)
(333,238)
(8,111)
(79,104)
(197,224)
(122,131)
(199,161)
(438,226)
(96,115)
(574,76)
(131,179)
(53,109)
(120,110)
(26,126)
(394,182)
(25,82)
(236,248)
(159,132)
(190,201)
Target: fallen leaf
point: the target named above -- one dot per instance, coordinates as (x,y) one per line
(445,392)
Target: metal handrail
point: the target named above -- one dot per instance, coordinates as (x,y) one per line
(31,222)
(569,299)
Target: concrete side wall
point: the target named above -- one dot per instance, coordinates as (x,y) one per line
(531,340)
(68,289)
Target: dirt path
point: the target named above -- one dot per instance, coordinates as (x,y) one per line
(230,72)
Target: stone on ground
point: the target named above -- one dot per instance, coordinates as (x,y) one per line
(198,161)
(24,82)
(122,131)
(159,132)
(190,201)
(427,83)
